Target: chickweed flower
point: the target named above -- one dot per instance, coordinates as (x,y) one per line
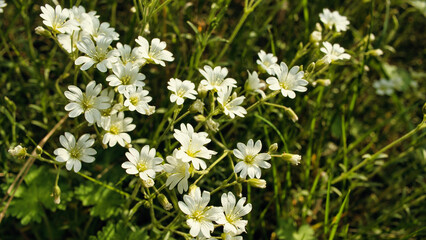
(288,81)
(253,84)
(215,78)
(2,5)
(331,19)
(200,217)
(267,61)
(292,158)
(179,172)
(143,163)
(69,41)
(99,54)
(125,76)
(88,103)
(79,14)
(333,52)
(117,127)
(128,55)
(251,159)
(181,90)
(138,99)
(92,26)
(384,87)
(74,152)
(18,151)
(231,106)
(232,213)
(57,19)
(155,53)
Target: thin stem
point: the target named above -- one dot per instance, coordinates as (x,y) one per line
(211,166)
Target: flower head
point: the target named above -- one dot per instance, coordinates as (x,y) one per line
(128,55)
(92,26)
(216,78)
(125,76)
(179,172)
(333,52)
(233,211)
(267,61)
(88,103)
(331,19)
(57,19)
(74,152)
(138,99)
(99,54)
(155,53)
(253,84)
(384,87)
(117,128)
(251,159)
(288,81)
(181,90)
(231,104)
(2,5)
(143,163)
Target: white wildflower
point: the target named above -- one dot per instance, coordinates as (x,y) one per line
(333,52)
(267,61)
(143,163)
(231,104)
(331,19)
(181,90)
(99,54)
(128,55)
(288,81)
(2,5)
(251,159)
(79,14)
(137,99)
(178,172)
(384,87)
(117,127)
(92,26)
(125,76)
(253,84)
(57,19)
(232,213)
(155,53)
(215,78)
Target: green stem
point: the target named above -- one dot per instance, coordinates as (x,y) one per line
(211,166)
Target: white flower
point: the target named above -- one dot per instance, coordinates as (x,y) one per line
(333,52)
(2,5)
(267,61)
(138,99)
(253,84)
(56,19)
(69,41)
(74,152)
(232,213)
(215,78)
(88,102)
(193,148)
(331,19)
(125,76)
(200,217)
(181,90)
(17,151)
(145,164)
(384,87)
(79,14)
(288,81)
(252,160)
(179,172)
(231,236)
(128,55)
(117,127)
(231,104)
(154,53)
(91,25)
(99,54)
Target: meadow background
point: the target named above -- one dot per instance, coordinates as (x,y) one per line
(338,124)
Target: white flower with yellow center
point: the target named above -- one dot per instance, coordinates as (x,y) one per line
(233,211)
(333,52)
(88,103)
(117,128)
(57,19)
(92,26)
(331,19)
(231,104)
(193,149)
(79,14)
(288,81)
(155,53)
(200,217)
(128,55)
(267,61)
(181,90)
(99,54)
(138,99)
(250,159)
(178,172)
(143,163)
(253,84)
(125,76)
(216,78)
(74,152)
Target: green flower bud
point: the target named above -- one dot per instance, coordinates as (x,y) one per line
(18,151)
(273,148)
(164,202)
(197,107)
(56,194)
(257,183)
(291,114)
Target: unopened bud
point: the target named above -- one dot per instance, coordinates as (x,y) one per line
(292,158)
(39,150)
(318,27)
(311,68)
(322,82)
(42,31)
(56,194)
(315,37)
(151,110)
(273,148)
(212,125)
(133,9)
(202,91)
(291,114)
(197,107)
(238,189)
(148,183)
(146,204)
(257,183)
(200,118)
(375,52)
(164,202)
(18,151)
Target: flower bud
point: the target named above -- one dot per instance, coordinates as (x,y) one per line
(42,31)
(375,52)
(164,202)
(39,150)
(238,189)
(197,107)
(257,183)
(151,110)
(202,91)
(292,158)
(146,204)
(18,151)
(322,82)
(212,125)
(273,148)
(200,118)
(315,37)
(318,27)
(148,183)
(291,114)
(56,194)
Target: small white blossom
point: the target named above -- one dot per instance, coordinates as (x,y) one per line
(232,213)
(331,19)
(91,25)
(252,160)
(231,236)
(253,84)
(128,55)
(181,90)
(125,76)
(99,54)
(384,87)
(57,19)
(333,52)
(69,41)
(267,61)
(144,164)
(17,151)
(138,99)
(117,127)
(2,5)
(73,152)
(88,103)
(193,149)
(288,81)
(216,78)
(200,217)
(231,104)
(179,172)
(155,53)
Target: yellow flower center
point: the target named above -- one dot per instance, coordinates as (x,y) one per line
(114,129)
(75,153)
(249,159)
(141,167)
(126,80)
(134,100)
